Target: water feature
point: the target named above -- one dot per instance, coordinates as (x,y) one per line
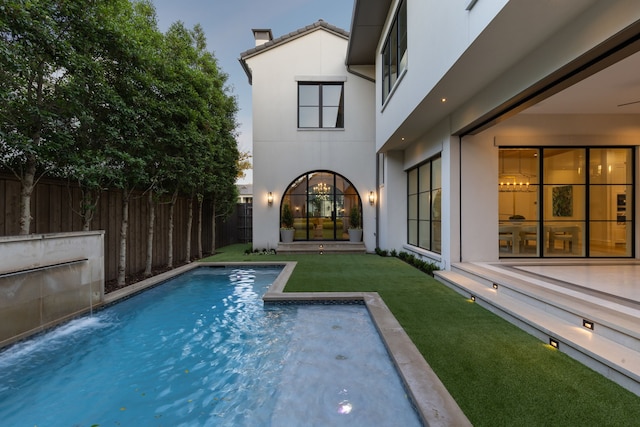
(202,349)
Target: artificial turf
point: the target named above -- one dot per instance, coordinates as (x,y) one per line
(498,374)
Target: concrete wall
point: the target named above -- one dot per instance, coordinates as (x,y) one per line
(48,278)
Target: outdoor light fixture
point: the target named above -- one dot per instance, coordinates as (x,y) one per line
(270,198)
(473,298)
(321,248)
(553,343)
(372,197)
(495,286)
(587,324)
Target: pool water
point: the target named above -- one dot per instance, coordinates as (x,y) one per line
(203,350)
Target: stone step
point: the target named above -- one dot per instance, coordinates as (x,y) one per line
(324,247)
(618,361)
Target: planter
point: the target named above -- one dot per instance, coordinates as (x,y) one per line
(286,235)
(355,234)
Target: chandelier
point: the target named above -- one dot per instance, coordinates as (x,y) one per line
(512,185)
(322,190)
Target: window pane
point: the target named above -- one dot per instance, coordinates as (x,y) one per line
(610,166)
(393,62)
(331,117)
(308,95)
(564,166)
(436,206)
(413,232)
(402,34)
(309,117)
(386,59)
(424,238)
(424,206)
(436,245)
(436,173)
(331,95)
(413,181)
(425,177)
(413,207)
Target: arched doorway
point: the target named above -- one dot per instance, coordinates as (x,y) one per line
(321,202)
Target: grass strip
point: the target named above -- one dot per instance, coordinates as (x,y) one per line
(498,374)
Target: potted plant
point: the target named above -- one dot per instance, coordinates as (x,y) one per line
(287,230)
(355,230)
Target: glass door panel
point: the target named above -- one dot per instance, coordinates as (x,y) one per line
(518,194)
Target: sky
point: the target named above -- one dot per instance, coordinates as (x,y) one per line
(228,25)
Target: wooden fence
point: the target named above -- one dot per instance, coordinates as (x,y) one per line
(54,207)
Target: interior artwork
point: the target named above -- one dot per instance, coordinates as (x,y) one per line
(562,201)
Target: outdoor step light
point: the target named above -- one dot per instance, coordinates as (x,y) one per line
(554,343)
(495,286)
(473,298)
(587,324)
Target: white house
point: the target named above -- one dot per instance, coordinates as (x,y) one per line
(504,128)
(482,129)
(313,136)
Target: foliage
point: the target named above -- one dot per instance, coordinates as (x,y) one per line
(287,217)
(354,217)
(94,92)
(424,266)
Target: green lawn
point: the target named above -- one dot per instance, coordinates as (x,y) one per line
(498,374)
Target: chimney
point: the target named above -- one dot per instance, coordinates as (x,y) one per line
(262,36)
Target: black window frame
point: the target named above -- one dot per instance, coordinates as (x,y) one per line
(394,49)
(321,105)
(434,208)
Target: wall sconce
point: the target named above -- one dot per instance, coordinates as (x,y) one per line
(554,343)
(587,324)
(270,198)
(372,198)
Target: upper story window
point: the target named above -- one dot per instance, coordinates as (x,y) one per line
(321,105)
(394,52)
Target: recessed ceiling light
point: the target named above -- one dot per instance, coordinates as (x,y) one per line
(443,99)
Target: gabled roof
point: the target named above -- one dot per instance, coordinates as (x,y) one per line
(320,24)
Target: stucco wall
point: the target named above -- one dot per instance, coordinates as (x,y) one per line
(46,279)
(282,152)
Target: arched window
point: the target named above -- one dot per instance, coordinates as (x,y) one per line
(321,202)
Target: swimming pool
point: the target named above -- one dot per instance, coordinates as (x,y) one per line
(202,349)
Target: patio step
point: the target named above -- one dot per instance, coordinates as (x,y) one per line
(321,247)
(612,348)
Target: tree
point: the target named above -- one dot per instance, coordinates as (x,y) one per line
(41,50)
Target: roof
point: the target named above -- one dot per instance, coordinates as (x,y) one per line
(320,24)
(367,24)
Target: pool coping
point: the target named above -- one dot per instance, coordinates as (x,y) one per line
(434,404)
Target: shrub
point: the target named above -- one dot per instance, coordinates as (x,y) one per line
(287,216)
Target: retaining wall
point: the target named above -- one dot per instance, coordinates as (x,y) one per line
(46,279)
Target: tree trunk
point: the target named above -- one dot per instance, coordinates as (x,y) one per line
(172,205)
(213,227)
(200,202)
(88,208)
(189,224)
(152,219)
(124,225)
(26,191)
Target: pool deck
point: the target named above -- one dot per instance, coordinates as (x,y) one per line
(431,399)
